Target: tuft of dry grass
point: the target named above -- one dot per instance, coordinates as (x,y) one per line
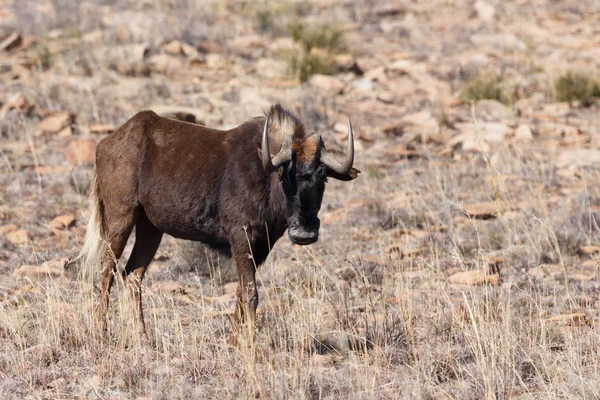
(577,86)
(489,86)
(318,46)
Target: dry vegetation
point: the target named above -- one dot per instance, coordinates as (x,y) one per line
(461,264)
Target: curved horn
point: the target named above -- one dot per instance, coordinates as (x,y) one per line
(346,166)
(281,158)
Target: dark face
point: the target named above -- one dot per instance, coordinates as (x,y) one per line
(304,185)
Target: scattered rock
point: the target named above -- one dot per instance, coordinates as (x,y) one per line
(61,223)
(322,360)
(389,10)
(18,237)
(8,228)
(93,383)
(230,288)
(333,342)
(174,48)
(57,384)
(93,37)
(492,109)
(589,250)
(101,128)
(271,68)
(55,123)
(523,133)
(478,137)
(81,152)
(421,124)
(501,41)
(16,102)
(347,63)
(363,84)
(327,84)
(484,210)
(51,269)
(578,158)
(401,151)
(474,277)
(190,52)
(13,41)
(164,63)
(386,97)
(215,61)
(168,287)
(572,319)
(582,275)
(485,11)
(404,251)
(538,272)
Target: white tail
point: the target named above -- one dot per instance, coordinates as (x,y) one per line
(88,261)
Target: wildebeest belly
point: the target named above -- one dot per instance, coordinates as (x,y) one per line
(185,217)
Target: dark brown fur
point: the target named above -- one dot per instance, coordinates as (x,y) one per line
(162,175)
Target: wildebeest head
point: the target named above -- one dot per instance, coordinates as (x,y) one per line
(303,164)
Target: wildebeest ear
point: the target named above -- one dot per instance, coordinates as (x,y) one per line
(353,174)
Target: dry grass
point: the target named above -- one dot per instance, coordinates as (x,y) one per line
(334,322)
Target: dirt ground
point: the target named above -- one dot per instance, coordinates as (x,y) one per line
(462,263)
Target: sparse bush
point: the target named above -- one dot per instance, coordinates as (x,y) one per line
(318,47)
(577,86)
(489,86)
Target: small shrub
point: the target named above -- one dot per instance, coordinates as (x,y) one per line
(326,37)
(304,65)
(488,86)
(577,86)
(318,46)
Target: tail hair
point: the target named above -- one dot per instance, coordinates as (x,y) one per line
(87,263)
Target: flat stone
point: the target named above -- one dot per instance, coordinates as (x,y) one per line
(484,210)
(589,250)
(81,152)
(474,277)
(61,223)
(37,272)
(173,47)
(578,158)
(18,237)
(54,123)
(101,128)
(572,319)
(12,41)
(485,11)
(523,133)
(8,228)
(327,83)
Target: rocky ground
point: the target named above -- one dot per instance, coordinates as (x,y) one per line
(461,264)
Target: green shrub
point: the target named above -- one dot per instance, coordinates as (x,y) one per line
(318,46)
(488,86)
(577,86)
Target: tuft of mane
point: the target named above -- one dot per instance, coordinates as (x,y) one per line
(283,123)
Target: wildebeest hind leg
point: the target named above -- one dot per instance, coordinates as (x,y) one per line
(147,240)
(119,227)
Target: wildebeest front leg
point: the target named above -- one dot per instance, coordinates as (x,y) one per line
(247,292)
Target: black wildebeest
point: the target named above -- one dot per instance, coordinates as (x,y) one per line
(222,188)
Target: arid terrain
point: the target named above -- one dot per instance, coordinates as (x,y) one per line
(462,263)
